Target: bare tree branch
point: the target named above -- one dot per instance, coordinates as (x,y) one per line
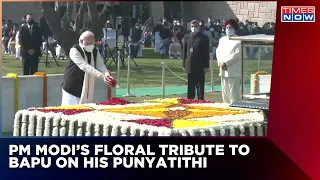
(52,17)
(103,16)
(57,7)
(79,17)
(70,6)
(105,9)
(93,17)
(92,10)
(60,26)
(65,22)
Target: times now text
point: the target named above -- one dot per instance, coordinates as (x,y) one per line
(297,14)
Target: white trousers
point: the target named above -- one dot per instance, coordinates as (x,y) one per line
(68,99)
(230,87)
(18,51)
(175,49)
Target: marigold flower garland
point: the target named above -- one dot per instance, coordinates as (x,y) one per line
(193,101)
(187,118)
(170,101)
(256,80)
(16,90)
(45,87)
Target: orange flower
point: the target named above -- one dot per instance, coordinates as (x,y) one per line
(40,74)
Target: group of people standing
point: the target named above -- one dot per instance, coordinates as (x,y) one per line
(193,45)
(168,38)
(214,35)
(10,36)
(168,35)
(24,42)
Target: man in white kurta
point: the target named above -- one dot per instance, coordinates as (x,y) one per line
(72,94)
(229,61)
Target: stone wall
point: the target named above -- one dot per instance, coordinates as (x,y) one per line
(256,11)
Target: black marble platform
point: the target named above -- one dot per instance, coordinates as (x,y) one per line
(262,104)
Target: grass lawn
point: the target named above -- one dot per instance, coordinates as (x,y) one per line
(147,74)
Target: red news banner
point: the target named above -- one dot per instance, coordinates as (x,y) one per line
(119,156)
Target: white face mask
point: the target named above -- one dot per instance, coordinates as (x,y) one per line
(211,29)
(194,29)
(88,48)
(230,32)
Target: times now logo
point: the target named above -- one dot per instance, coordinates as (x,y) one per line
(298,13)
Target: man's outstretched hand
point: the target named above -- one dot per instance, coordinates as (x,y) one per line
(223,66)
(109,81)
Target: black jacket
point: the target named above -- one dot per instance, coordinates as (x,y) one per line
(165,33)
(73,76)
(29,41)
(198,60)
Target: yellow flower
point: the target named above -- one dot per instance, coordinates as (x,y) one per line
(12,75)
(137,108)
(196,113)
(147,112)
(170,101)
(16,90)
(186,123)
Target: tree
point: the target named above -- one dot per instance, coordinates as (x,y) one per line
(60,26)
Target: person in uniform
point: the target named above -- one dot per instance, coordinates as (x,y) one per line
(85,65)
(229,63)
(195,59)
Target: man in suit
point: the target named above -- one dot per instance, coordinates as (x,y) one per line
(30,37)
(6,35)
(195,59)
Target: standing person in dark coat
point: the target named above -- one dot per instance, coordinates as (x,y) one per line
(5,34)
(257,29)
(23,21)
(241,31)
(165,35)
(30,37)
(195,60)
